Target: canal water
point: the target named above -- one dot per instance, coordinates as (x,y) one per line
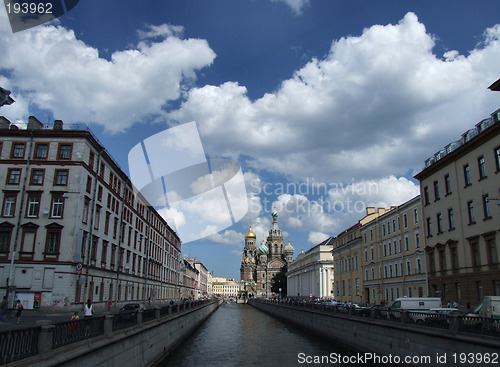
(238,335)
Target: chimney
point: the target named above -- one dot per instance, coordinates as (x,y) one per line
(4,123)
(58,125)
(370,210)
(34,124)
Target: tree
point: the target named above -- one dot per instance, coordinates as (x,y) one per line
(279,281)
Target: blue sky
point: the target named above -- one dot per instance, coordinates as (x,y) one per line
(329,106)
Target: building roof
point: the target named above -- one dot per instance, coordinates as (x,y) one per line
(495,87)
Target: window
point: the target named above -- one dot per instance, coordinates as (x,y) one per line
(91,160)
(476,258)
(9,205)
(4,241)
(467,175)
(429,227)
(454,258)
(486,207)
(432,263)
(33,205)
(37,177)
(497,158)
(419,266)
(61,177)
(85,214)
(88,187)
(18,150)
(405,221)
(41,150)
(436,190)
(426,195)
(415,216)
(479,288)
(57,207)
(451,219)
(442,260)
(470,211)
(492,251)
(408,268)
(439,219)
(13,176)
(65,151)
(482,168)
(407,242)
(53,242)
(417,239)
(447,184)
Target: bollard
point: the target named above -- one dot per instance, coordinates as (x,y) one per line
(45,337)
(157,313)
(404,316)
(108,326)
(372,313)
(454,324)
(139,318)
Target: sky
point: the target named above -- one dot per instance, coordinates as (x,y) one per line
(328,106)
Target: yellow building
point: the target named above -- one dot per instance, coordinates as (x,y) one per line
(393,259)
(347,250)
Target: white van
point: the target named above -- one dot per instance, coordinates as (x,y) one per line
(491,307)
(414,304)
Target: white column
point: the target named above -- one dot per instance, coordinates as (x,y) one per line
(320,290)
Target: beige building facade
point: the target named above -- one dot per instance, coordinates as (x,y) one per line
(460,190)
(72,227)
(393,257)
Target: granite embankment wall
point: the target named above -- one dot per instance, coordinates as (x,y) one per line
(385,341)
(142,345)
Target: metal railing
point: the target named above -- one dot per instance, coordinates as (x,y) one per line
(18,344)
(453,322)
(23,343)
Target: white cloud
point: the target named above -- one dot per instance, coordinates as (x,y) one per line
(317,237)
(377,105)
(53,69)
(296,5)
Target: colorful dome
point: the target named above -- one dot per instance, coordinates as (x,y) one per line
(263,250)
(289,249)
(274,213)
(250,235)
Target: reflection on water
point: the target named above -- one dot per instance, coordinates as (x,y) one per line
(239,335)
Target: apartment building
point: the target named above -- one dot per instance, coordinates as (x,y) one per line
(347,251)
(393,257)
(71,225)
(460,190)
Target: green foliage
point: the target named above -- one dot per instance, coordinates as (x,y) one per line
(279,281)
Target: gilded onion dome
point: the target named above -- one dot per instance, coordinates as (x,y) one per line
(250,235)
(289,249)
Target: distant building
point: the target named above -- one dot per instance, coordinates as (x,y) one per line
(226,287)
(202,281)
(347,251)
(258,266)
(189,280)
(392,255)
(459,188)
(72,226)
(311,274)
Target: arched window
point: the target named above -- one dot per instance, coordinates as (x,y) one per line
(275,248)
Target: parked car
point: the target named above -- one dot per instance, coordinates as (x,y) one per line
(381,311)
(360,310)
(440,317)
(129,310)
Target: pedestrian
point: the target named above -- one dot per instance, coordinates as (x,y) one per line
(455,304)
(109,304)
(4,309)
(89,308)
(19,309)
(89,311)
(73,324)
(449,304)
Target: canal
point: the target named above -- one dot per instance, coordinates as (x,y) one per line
(239,335)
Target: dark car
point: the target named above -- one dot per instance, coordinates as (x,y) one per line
(360,310)
(440,318)
(130,309)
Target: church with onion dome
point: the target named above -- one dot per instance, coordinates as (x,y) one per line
(259,265)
